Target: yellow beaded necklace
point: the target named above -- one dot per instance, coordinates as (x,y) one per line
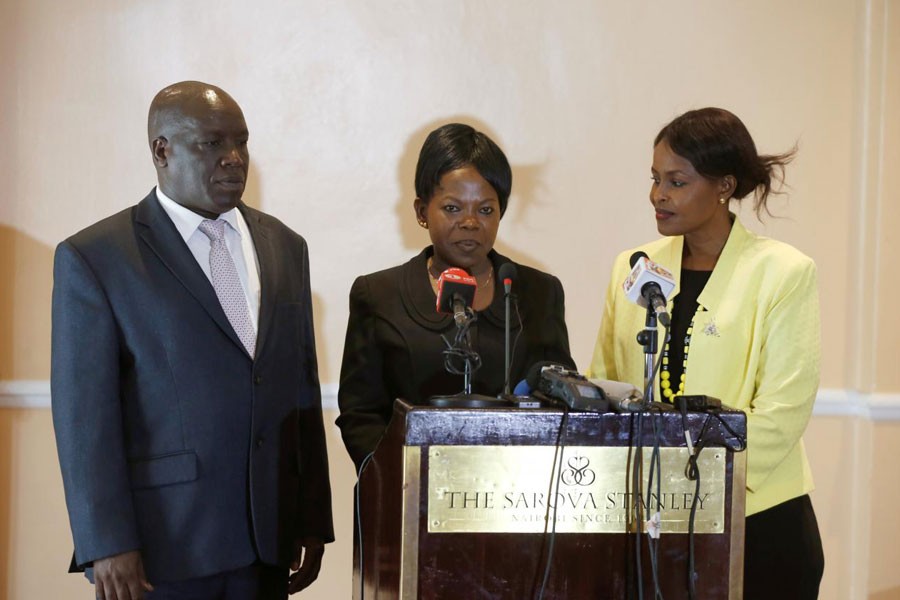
(668,390)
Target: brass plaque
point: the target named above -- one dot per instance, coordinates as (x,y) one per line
(505,489)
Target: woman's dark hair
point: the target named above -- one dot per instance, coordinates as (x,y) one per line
(454,146)
(717,144)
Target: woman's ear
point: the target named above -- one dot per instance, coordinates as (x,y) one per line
(727,185)
(421,207)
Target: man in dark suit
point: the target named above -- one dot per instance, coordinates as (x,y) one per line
(186,399)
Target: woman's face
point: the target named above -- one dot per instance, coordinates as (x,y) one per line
(686,202)
(462,217)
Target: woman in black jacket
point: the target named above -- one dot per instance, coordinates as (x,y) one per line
(394,346)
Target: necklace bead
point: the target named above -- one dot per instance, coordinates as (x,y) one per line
(665,377)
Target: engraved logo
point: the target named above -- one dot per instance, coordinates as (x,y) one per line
(578,472)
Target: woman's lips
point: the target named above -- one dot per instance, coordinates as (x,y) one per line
(662,215)
(467,245)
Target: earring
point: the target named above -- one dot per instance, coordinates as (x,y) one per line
(423,224)
(722,200)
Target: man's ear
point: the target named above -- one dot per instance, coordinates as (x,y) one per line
(159,148)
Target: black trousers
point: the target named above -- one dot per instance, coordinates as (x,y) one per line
(255,582)
(783,556)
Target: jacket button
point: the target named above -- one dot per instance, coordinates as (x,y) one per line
(257,380)
(259,442)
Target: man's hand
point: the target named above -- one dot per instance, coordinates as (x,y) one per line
(311,551)
(121,577)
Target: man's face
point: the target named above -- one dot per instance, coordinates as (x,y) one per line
(202,163)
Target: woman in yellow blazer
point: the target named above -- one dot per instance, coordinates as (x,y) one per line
(745,328)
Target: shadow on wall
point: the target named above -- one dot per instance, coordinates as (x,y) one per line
(891,594)
(320,307)
(6,549)
(26,268)
(526,186)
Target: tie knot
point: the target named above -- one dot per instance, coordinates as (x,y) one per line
(214,230)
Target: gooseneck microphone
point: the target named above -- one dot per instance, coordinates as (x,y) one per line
(456,293)
(507,275)
(649,284)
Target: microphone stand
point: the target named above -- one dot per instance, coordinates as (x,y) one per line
(649,339)
(461,348)
(506,361)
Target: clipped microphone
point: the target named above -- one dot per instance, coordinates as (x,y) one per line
(649,283)
(456,292)
(507,275)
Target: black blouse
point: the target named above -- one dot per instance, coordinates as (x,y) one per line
(684,307)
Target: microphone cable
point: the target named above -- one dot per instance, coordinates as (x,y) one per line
(555,477)
(692,473)
(655,520)
(461,350)
(359,531)
(637,483)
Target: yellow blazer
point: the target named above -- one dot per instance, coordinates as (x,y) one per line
(755,346)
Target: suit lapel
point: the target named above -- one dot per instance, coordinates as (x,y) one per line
(267,258)
(159,233)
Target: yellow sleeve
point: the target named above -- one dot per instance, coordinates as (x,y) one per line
(603,363)
(788,374)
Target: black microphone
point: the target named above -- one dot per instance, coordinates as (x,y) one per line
(507,275)
(456,292)
(649,284)
(533,375)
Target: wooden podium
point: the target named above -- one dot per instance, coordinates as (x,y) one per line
(455,502)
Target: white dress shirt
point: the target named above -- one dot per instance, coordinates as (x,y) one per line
(237,238)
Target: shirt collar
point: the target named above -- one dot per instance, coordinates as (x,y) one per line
(187,221)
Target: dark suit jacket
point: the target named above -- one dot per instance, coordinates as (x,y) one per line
(394,347)
(171,439)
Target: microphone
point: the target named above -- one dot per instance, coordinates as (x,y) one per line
(623,397)
(507,275)
(522,388)
(560,383)
(456,292)
(649,283)
(533,375)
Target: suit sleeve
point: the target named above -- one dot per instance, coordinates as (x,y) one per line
(558,348)
(87,412)
(316,518)
(364,402)
(788,375)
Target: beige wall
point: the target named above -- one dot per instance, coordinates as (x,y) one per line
(339,96)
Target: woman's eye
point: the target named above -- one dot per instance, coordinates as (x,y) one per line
(212,143)
(654,179)
(487,210)
(678,184)
(451,208)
